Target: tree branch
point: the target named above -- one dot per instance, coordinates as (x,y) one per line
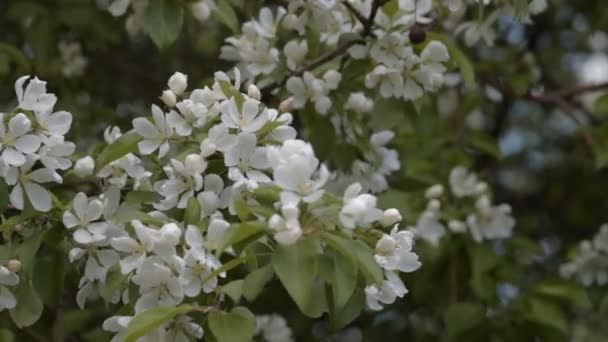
(368,24)
(559,100)
(578,90)
(355,12)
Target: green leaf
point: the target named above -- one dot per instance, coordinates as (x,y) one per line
(242,210)
(564,290)
(240,232)
(600,106)
(358,251)
(483,259)
(313,39)
(255,281)
(296,267)
(3,195)
(600,145)
(234,289)
(461,318)
(163,21)
(121,147)
(114,281)
(485,143)
(350,311)
(235,326)
(344,280)
(26,252)
(267,195)
(153,318)
(545,313)
(231,92)
(49,274)
(7,335)
(29,306)
(459,57)
(226,15)
(192,214)
(141,196)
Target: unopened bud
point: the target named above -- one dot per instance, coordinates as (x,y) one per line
(254,92)
(434,191)
(84,167)
(434,205)
(483,203)
(195,163)
(169,98)
(286,106)
(457,226)
(200,10)
(481,188)
(19,227)
(14,265)
(178,83)
(390,217)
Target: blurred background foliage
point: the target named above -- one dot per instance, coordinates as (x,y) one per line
(534,155)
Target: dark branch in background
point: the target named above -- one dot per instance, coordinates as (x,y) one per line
(355,12)
(368,24)
(560,100)
(574,91)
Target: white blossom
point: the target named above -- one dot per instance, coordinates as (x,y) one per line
(156,134)
(359,210)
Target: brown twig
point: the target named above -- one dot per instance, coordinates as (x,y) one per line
(578,90)
(328,56)
(355,12)
(368,24)
(559,100)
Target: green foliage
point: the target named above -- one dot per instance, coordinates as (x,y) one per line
(226,15)
(151,319)
(3,196)
(462,318)
(234,326)
(30,306)
(297,267)
(163,21)
(121,147)
(255,282)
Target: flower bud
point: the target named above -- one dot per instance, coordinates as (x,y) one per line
(434,205)
(434,191)
(417,34)
(169,98)
(290,21)
(14,265)
(254,92)
(481,188)
(457,226)
(19,227)
(286,106)
(200,10)
(84,167)
(390,217)
(195,163)
(178,83)
(483,204)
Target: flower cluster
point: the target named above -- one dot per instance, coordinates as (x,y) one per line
(590,265)
(484,27)
(32,145)
(397,69)
(200,9)
(210,162)
(272,328)
(481,219)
